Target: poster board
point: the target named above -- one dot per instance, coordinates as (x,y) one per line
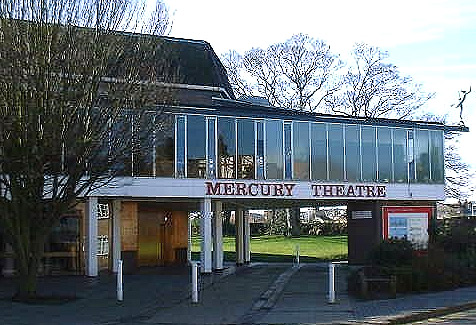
(407,222)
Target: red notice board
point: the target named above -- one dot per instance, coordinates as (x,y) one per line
(408,222)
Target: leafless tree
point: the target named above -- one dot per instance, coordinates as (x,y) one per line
(373,88)
(294,74)
(69,71)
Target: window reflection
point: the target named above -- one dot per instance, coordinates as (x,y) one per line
(226,147)
(246,148)
(319,151)
(274,149)
(196,152)
(301,150)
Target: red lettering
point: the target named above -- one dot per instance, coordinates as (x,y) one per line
(250,189)
(350,191)
(213,189)
(360,188)
(340,190)
(240,189)
(289,189)
(229,188)
(328,190)
(262,189)
(278,190)
(370,191)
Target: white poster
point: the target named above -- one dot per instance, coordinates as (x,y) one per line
(412,226)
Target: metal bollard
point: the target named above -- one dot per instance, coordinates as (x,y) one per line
(297,255)
(194,282)
(120,289)
(332,292)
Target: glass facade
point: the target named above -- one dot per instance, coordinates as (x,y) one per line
(336,152)
(198,146)
(301,150)
(274,149)
(226,147)
(245,129)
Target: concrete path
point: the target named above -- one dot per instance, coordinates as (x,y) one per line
(259,293)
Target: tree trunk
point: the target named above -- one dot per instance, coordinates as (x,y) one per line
(295,222)
(27,284)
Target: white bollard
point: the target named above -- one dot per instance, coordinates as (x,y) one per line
(332,293)
(194,282)
(297,254)
(120,290)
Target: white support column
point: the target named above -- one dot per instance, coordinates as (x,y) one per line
(240,258)
(218,238)
(246,238)
(206,234)
(189,243)
(92,236)
(116,235)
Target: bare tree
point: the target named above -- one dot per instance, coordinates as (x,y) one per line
(294,74)
(70,71)
(458,174)
(373,88)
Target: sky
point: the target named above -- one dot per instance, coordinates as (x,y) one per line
(433,41)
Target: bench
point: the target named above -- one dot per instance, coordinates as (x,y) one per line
(367,289)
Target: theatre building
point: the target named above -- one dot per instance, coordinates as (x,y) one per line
(209,152)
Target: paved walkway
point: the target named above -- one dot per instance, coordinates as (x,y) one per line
(260,293)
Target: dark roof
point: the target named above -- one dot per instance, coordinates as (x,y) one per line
(238,108)
(197,63)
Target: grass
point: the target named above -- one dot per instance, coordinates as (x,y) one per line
(282,249)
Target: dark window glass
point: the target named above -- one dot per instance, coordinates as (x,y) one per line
(274,149)
(211,151)
(122,137)
(246,148)
(318,151)
(226,148)
(180,146)
(352,152)
(164,145)
(336,152)
(437,154)
(422,156)
(259,149)
(400,155)
(301,150)
(369,154)
(288,153)
(196,150)
(384,145)
(145,151)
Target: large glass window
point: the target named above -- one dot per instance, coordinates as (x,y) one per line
(422,156)
(164,145)
(437,154)
(246,148)
(226,148)
(336,152)
(144,152)
(196,146)
(259,149)
(211,148)
(180,146)
(301,150)
(274,149)
(318,151)
(411,155)
(369,154)
(400,160)
(352,152)
(384,145)
(122,130)
(288,152)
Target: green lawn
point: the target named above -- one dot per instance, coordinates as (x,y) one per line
(281,249)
